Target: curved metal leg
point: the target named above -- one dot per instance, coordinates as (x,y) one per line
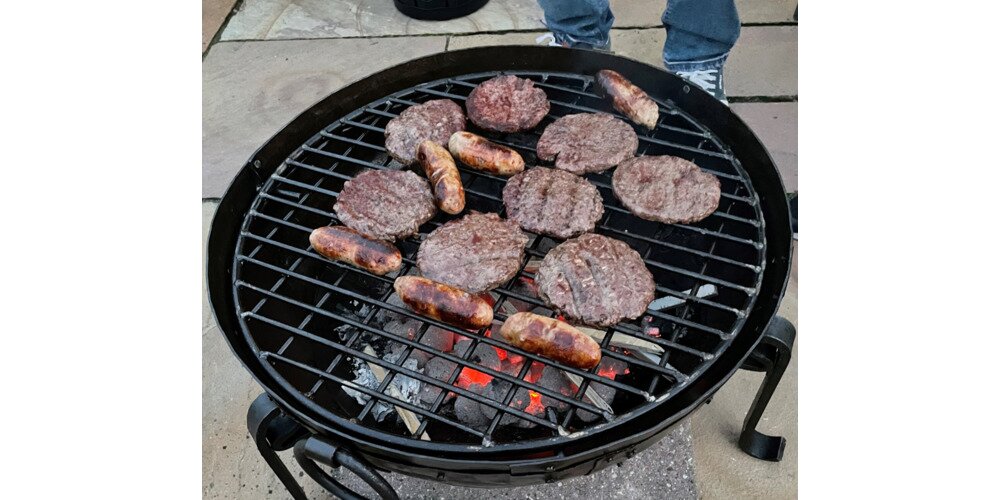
(270,433)
(316,448)
(770,356)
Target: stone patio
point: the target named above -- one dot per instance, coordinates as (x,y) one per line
(275,58)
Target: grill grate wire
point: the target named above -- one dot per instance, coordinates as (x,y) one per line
(276,268)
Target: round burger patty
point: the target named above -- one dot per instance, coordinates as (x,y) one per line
(474,253)
(507,104)
(552,202)
(587,142)
(433,120)
(595,280)
(666,189)
(385,204)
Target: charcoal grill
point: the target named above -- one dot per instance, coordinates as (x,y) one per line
(299,322)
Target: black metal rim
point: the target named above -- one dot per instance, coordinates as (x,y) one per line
(723,122)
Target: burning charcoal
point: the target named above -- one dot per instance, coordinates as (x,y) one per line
(469,412)
(440,369)
(435,338)
(385,316)
(496,392)
(438,338)
(609,368)
(528,401)
(553,379)
(512,365)
(484,355)
(510,362)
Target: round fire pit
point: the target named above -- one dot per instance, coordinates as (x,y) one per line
(356,378)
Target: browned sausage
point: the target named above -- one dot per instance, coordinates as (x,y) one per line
(551,338)
(440,169)
(347,245)
(445,303)
(481,154)
(629,99)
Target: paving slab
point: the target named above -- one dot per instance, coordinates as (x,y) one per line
(766,11)
(647,13)
(213,14)
(284,19)
(250,90)
(277,19)
(723,471)
(777,126)
(763,63)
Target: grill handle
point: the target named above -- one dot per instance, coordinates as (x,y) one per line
(314,449)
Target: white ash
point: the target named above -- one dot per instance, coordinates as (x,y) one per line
(408,388)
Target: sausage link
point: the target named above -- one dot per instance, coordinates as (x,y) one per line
(551,338)
(347,245)
(629,99)
(440,169)
(481,154)
(445,303)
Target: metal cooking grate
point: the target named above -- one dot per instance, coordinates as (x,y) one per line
(291,300)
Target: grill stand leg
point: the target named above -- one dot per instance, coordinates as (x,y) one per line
(272,432)
(770,356)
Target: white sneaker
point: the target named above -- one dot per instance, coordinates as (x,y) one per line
(548,39)
(708,79)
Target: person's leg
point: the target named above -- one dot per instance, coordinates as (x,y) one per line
(579,23)
(700,34)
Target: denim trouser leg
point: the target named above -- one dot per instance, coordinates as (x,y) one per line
(576,23)
(700,33)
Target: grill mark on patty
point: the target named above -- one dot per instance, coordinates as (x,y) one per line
(552,202)
(546,200)
(593,266)
(574,193)
(606,280)
(475,253)
(666,189)
(384,217)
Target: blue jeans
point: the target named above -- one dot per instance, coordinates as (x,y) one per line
(700,33)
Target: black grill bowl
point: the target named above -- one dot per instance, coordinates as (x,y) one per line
(537,460)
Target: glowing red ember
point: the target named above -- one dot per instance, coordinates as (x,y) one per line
(535,407)
(470,376)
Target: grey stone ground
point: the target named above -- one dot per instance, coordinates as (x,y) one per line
(252,88)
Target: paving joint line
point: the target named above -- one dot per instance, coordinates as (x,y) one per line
(762,99)
(448,36)
(218,33)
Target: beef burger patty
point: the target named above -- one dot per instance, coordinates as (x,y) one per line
(433,120)
(385,204)
(507,104)
(475,253)
(552,202)
(595,280)
(587,142)
(666,189)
